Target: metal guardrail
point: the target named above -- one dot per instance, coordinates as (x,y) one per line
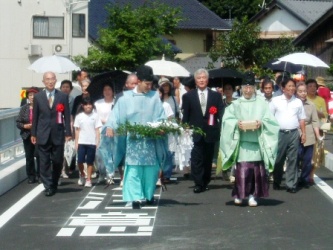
(10,139)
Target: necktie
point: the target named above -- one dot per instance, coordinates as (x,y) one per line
(50,100)
(203,102)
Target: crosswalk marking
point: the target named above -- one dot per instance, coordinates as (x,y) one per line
(106,210)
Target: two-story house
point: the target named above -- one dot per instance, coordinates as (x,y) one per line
(31,29)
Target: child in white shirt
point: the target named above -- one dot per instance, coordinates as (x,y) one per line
(87,136)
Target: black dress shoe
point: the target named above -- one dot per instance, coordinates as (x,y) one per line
(291,190)
(49,192)
(276,186)
(136,205)
(166,180)
(150,202)
(304,184)
(186,176)
(197,189)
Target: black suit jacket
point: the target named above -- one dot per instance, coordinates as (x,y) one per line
(192,114)
(44,124)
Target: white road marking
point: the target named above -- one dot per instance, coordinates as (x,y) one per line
(94,193)
(122,221)
(90,205)
(323,186)
(117,229)
(18,206)
(66,231)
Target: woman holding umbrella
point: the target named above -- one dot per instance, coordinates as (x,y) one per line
(104,108)
(167,96)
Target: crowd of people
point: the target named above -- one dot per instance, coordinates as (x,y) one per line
(254,138)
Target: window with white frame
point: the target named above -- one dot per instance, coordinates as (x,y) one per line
(78,25)
(48,27)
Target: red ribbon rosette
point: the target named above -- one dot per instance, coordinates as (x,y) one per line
(212,112)
(60,108)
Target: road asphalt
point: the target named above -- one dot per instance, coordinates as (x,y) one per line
(96,218)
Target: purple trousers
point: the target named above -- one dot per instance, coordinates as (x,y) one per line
(251,179)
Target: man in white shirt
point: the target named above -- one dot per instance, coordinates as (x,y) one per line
(290,114)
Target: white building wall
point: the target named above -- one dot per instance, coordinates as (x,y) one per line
(16,34)
(280,22)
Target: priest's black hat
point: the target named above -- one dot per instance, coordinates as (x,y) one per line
(249,78)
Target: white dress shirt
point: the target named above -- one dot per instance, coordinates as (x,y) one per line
(205,91)
(287,112)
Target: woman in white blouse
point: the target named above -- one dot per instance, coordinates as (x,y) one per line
(104,108)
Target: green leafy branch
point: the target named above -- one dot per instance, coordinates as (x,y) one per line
(137,131)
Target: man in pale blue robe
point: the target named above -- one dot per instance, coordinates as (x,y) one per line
(142,156)
(253,150)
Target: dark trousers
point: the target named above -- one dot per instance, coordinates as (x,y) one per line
(305,161)
(30,154)
(287,149)
(51,158)
(201,162)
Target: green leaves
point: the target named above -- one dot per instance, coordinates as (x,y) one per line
(138,131)
(132,36)
(242,48)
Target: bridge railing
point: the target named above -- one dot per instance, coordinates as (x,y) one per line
(10,140)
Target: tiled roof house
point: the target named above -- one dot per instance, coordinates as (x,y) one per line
(289,17)
(194,35)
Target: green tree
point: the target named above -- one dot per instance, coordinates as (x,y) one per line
(236,48)
(132,36)
(234,9)
(242,48)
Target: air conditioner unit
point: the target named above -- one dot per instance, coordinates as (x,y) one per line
(34,50)
(60,49)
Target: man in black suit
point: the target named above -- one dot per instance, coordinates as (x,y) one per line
(50,128)
(202,108)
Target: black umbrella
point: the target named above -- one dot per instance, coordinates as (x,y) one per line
(189,82)
(277,65)
(116,79)
(218,77)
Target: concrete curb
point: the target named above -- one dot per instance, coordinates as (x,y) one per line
(329,161)
(11,175)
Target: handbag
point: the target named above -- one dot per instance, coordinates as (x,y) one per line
(325,126)
(318,154)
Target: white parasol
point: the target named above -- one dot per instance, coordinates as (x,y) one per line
(303,58)
(167,68)
(56,64)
